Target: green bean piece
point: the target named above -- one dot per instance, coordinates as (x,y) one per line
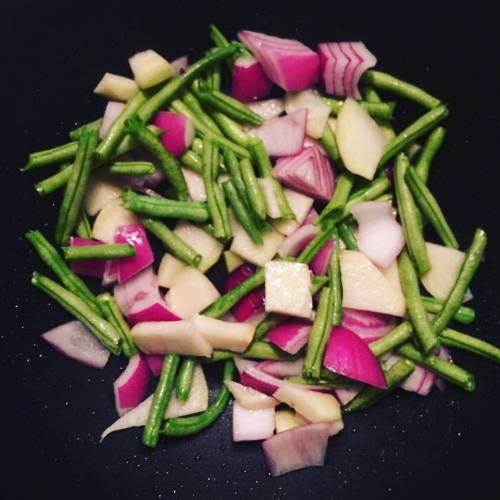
(418,128)
(105,332)
(468,270)
(335,283)
(397,336)
(465,315)
(160,401)
(372,191)
(412,150)
(224,212)
(225,302)
(255,195)
(186,426)
(299,379)
(75,134)
(409,217)
(241,212)
(177,246)
(185,378)
(329,143)
(416,311)
(429,151)
(194,106)
(377,110)
(107,251)
(449,371)
(112,313)
(168,163)
(389,83)
(130,168)
(214,77)
(50,256)
(347,236)
(371,395)
(83,228)
(256,350)
(371,96)
(57,181)
(430,208)
(318,336)
(217,37)
(76,187)
(315,245)
(452,338)
(335,207)
(233,168)
(192,160)
(231,129)
(174,86)
(157,206)
(197,145)
(51,156)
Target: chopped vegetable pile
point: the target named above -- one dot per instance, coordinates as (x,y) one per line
(318,207)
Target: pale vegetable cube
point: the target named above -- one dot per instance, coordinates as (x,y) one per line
(360,140)
(170,269)
(243,246)
(232,260)
(170,337)
(196,188)
(445,267)
(116,87)
(272,208)
(101,191)
(252,425)
(208,247)
(288,419)
(223,334)
(149,68)
(191,293)
(109,219)
(288,288)
(365,287)
(318,110)
(300,205)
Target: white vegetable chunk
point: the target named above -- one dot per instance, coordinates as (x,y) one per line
(224,334)
(149,68)
(101,191)
(318,110)
(300,204)
(116,87)
(169,271)
(288,419)
(360,140)
(249,397)
(109,219)
(252,425)
(365,287)
(288,289)
(196,188)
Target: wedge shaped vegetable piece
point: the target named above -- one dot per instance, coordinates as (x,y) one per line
(191,293)
(170,337)
(360,140)
(101,191)
(116,87)
(300,205)
(365,287)
(318,110)
(112,111)
(170,269)
(250,398)
(149,68)
(196,188)
(446,264)
(288,419)
(209,248)
(109,219)
(232,260)
(288,289)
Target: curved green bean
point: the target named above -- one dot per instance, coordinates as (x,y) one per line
(335,207)
(347,236)
(429,151)
(185,378)
(232,130)
(329,143)
(452,338)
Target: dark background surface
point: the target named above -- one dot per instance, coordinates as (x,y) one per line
(53,410)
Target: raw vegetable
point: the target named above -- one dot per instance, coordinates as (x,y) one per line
(101,191)
(116,87)
(294,243)
(149,68)
(92,267)
(249,81)
(290,336)
(179,131)
(109,219)
(252,425)
(317,110)
(250,398)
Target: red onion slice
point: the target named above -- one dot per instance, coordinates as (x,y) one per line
(282,369)
(291,336)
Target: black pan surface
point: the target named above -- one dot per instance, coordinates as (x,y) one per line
(53,410)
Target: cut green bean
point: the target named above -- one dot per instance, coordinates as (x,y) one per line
(105,332)
(213,77)
(329,143)
(299,379)
(409,217)
(383,81)
(347,236)
(130,168)
(256,350)
(107,251)
(429,151)
(76,187)
(186,426)
(197,145)
(397,336)
(192,160)
(224,212)
(377,110)
(192,102)
(254,192)
(75,134)
(51,156)
(157,206)
(372,191)
(452,338)
(371,395)
(185,378)
(232,130)
(465,315)
(233,168)
(160,401)
(430,207)
(316,244)
(457,294)
(177,246)
(416,311)
(449,371)
(112,313)
(50,256)
(372,96)
(83,228)
(335,283)
(418,128)
(335,207)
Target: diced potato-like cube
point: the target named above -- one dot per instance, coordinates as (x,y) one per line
(149,68)
(116,87)
(170,269)
(288,288)
(101,191)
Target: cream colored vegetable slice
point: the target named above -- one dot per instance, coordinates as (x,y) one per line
(391,274)
(116,87)
(224,334)
(101,191)
(109,219)
(288,288)
(232,260)
(365,287)
(446,264)
(170,337)
(191,293)
(196,188)
(209,248)
(250,398)
(288,419)
(149,68)
(169,271)
(300,204)
(360,140)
